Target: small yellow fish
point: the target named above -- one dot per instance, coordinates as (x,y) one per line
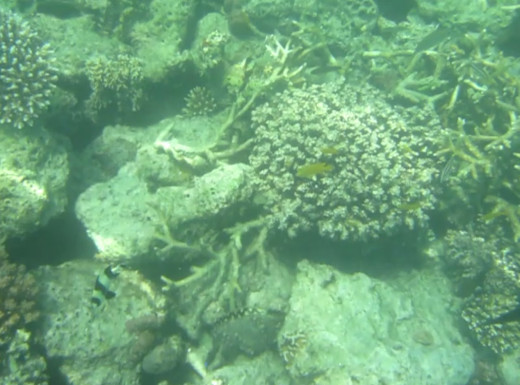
(329,150)
(310,170)
(410,206)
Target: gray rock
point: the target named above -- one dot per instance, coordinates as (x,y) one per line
(509,368)
(353,328)
(124,219)
(165,356)
(33,175)
(90,339)
(117,216)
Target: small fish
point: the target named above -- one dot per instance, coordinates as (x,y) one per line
(102,289)
(494,214)
(62,9)
(331,150)
(411,206)
(447,170)
(311,170)
(433,38)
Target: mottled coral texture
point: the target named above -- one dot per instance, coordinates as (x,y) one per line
(27,74)
(17,298)
(377,161)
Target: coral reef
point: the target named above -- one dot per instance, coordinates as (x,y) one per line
(25,365)
(179,200)
(467,258)
(27,74)
(493,311)
(18,292)
(116,83)
(199,101)
(248,331)
(338,159)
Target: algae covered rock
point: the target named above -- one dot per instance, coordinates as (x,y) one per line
(159,38)
(117,217)
(125,219)
(352,328)
(165,357)
(86,306)
(33,177)
(144,186)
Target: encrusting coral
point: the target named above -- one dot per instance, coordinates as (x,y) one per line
(492,312)
(17,298)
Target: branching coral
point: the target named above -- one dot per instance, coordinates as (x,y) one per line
(474,89)
(27,74)
(116,83)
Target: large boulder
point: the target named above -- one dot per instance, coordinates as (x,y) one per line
(33,177)
(350,328)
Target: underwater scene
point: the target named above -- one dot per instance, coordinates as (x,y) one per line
(259,192)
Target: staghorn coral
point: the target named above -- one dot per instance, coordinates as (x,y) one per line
(375,163)
(27,74)
(458,68)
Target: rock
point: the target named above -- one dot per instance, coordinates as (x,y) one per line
(165,356)
(117,216)
(352,328)
(509,368)
(33,176)
(124,219)
(84,329)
